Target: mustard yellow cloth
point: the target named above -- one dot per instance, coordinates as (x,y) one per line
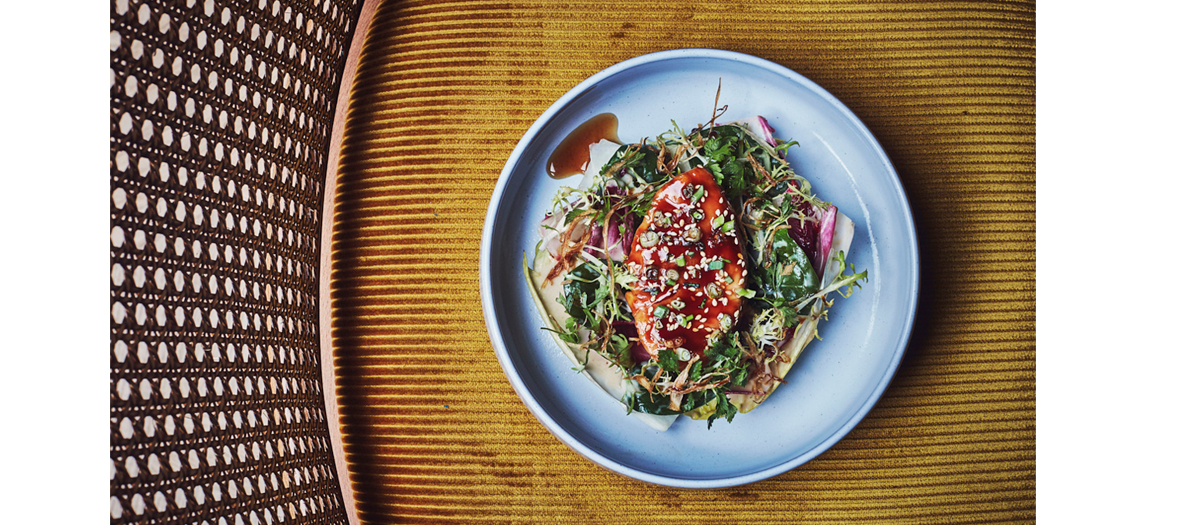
(433,431)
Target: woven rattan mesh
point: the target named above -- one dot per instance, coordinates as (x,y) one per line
(221,115)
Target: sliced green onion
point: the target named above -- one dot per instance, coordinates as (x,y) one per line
(714,291)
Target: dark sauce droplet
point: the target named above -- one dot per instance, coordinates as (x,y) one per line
(573,154)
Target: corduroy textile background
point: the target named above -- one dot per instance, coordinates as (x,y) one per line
(433,431)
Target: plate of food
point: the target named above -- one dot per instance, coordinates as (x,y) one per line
(698,269)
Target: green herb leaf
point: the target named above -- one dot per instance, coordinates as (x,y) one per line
(740,377)
(573,214)
(639,161)
(668,361)
(725,409)
(789,275)
(733,167)
(842,280)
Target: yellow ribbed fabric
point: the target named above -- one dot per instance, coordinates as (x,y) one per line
(432,429)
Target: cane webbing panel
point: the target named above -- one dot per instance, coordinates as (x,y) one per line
(434,432)
(220,118)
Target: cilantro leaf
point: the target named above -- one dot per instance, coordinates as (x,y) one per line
(667,360)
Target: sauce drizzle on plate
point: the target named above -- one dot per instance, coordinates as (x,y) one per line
(572,155)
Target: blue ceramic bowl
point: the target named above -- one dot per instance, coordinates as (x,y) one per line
(837,379)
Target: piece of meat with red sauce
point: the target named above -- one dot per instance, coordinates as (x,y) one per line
(688,259)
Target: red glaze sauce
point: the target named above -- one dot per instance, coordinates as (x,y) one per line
(679,302)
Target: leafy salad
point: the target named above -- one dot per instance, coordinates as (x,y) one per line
(686,274)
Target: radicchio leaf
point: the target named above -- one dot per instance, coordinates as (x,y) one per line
(827,230)
(806,233)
